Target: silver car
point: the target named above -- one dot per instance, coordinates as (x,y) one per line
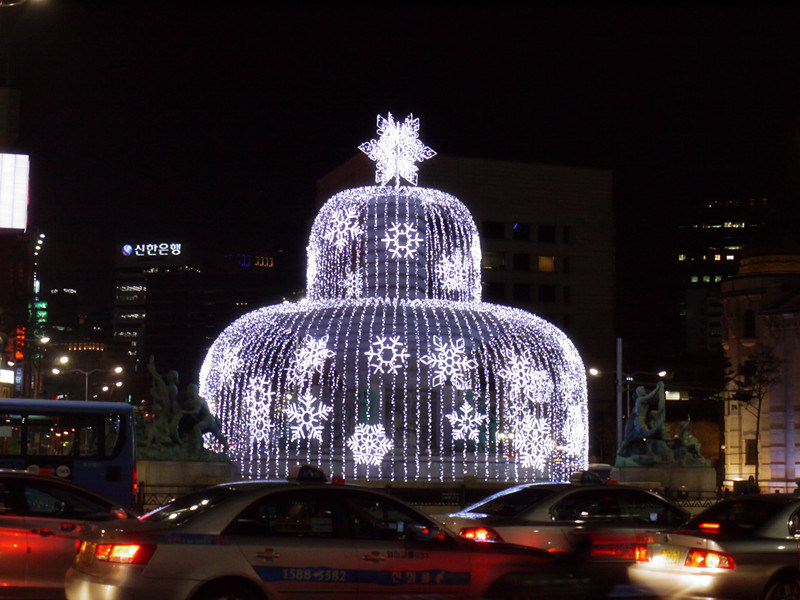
(41,518)
(281,540)
(743,547)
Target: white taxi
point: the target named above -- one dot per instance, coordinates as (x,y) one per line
(279,540)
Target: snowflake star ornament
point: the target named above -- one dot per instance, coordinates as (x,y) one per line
(449,363)
(386,354)
(533,441)
(402,240)
(397,150)
(306,419)
(466,422)
(310,358)
(369,444)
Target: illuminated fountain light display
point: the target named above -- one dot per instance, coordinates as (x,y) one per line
(393,368)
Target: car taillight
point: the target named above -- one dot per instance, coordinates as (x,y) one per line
(130,554)
(709,560)
(640,554)
(481,534)
(619,547)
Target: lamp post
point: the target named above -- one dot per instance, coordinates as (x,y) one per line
(86,374)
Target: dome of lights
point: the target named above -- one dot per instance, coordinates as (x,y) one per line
(393,368)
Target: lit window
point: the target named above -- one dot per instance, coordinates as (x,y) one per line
(681,257)
(717,257)
(547,264)
(717,277)
(706,278)
(730,257)
(694,279)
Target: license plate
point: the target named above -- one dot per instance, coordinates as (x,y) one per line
(667,557)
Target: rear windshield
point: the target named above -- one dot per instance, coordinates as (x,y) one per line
(510,503)
(735,515)
(191,505)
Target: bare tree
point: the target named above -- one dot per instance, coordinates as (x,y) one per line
(751,382)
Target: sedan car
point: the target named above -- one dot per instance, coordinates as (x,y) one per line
(742,547)
(41,518)
(280,540)
(604,523)
(557,517)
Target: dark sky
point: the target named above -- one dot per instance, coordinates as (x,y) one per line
(209,120)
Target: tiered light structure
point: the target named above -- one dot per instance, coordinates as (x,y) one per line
(394,369)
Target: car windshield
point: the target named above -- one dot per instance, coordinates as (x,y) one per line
(734,515)
(510,503)
(191,505)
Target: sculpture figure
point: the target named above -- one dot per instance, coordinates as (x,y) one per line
(174,426)
(648,441)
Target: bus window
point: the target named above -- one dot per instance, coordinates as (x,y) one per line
(11,435)
(61,435)
(113,429)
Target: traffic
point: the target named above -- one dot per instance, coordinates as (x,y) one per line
(310,538)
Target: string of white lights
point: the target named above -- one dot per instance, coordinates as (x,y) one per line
(393,368)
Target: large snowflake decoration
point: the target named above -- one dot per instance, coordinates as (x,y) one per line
(386,354)
(369,444)
(532,441)
(466,422)
(449,363)
(353,284)
(310,358)
(453,272)
(402,240)
(306,419)
(230,363)
(524,380)
(344,226)
(397,150)
(258,399)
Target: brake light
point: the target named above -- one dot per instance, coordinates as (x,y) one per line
(130,554)
(481,534)
(709,560)
(619,547)
(709,526)
(640,554)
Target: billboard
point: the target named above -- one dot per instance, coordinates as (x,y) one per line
(14,174)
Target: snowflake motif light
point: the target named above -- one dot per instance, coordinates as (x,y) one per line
(306,418)
(392,332)
(369,444)
(353,285)
(386,355)
(310,358)
(397,150)
(231,363)
(449,363)
(533,442)
(402,240)
(466,422)
(344,227)
(451,272)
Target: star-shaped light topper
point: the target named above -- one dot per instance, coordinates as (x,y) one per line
(397,150)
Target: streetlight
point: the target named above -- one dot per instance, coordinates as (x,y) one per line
(86,374)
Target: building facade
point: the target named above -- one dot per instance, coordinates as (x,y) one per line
(761,309)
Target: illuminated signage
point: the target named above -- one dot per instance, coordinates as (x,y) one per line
(160,249)
(14,174)
(7,376)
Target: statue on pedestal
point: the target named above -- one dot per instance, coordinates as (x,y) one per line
(173,428)
(648,441)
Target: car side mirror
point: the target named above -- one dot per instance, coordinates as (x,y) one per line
(119,513)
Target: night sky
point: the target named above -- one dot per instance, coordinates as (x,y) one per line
(213,120)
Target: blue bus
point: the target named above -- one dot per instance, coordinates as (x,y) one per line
(91,444)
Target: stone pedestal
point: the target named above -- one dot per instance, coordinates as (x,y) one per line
(692,481)
(160,481)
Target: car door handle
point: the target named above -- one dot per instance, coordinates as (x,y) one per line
(375,556)
(43,532)
(71,527)
(268,554)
